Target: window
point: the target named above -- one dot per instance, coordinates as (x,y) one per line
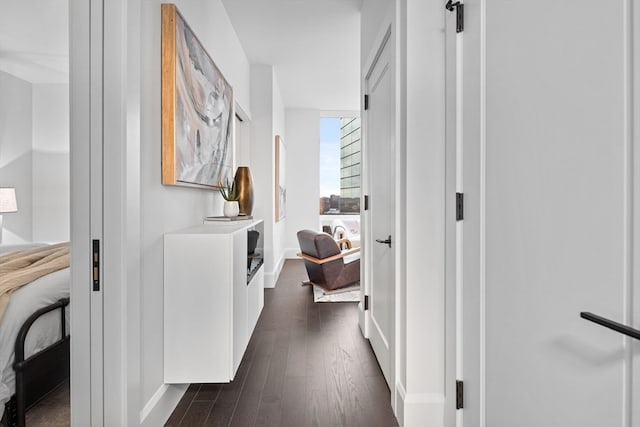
(340,161)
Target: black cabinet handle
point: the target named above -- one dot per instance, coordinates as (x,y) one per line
(618,327)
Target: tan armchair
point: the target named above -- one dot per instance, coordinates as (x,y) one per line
(325,262)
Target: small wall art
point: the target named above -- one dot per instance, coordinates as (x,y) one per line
(281,189)
(197,109)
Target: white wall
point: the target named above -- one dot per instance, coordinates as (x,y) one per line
(280,227)
(424,318)
(169,208)
(268,120)
(15,154)
(303,174)
(243,142)
(51,189)
(419,393)
(262,156)
(34,158)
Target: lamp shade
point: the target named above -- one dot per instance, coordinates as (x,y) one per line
(8,201)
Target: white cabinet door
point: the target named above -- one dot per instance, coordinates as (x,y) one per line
(255,299)
(551,205)
(240,293)
(198,308)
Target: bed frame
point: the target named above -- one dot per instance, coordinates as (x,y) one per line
(40,373)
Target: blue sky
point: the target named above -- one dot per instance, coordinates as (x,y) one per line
(329,156)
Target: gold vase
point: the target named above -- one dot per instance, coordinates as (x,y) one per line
(244,187)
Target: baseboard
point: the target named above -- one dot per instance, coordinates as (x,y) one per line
(292,253)
(270,279)
(158,409)
(397,403)
(418,409)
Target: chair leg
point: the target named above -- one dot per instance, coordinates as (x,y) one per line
(306,283)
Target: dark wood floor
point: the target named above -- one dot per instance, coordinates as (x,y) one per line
(306,365)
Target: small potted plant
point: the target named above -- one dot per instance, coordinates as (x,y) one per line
(231,196)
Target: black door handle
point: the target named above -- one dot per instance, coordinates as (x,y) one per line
(618,327)
(386,242)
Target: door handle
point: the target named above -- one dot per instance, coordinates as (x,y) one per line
(386,242)
(618,327)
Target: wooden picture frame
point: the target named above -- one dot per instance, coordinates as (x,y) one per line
(197,109)
(280,187)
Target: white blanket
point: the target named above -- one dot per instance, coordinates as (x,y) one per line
(21,268)
(24,302)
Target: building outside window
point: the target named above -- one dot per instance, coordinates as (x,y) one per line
(340,154)
(350,165)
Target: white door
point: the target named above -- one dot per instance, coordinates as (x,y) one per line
(85,57)
(380,140)
(550,170)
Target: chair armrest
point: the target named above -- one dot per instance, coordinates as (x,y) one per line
(321,261)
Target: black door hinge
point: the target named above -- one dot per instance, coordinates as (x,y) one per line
(95,263)
(366,203)
(366,102)
(366,302)
(459,14)
(459,394)
(459,206)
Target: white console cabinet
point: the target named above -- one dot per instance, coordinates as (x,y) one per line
(210,305)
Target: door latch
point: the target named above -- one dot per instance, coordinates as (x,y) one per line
(95,263)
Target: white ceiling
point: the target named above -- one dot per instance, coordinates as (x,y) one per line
(314,46)
(34,40)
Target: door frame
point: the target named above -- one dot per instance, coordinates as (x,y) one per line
(104,79)
(453,228)
(80,88)
(634,130)
(122,275)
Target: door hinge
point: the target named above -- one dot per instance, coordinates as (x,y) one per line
(366,202)
(459,206)
(459,14)
(366,302)
(366,102)
(459,394)
(95,262)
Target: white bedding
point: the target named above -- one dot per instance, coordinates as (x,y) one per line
(24,302)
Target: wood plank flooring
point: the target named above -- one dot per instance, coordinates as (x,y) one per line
(306,364)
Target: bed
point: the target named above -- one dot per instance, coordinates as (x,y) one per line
(34,341)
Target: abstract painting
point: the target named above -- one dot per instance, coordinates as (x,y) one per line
(197,109)
(281,188)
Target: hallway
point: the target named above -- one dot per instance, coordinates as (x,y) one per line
(306,365)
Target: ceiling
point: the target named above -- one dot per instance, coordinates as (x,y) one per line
(35,46)
(313,45)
